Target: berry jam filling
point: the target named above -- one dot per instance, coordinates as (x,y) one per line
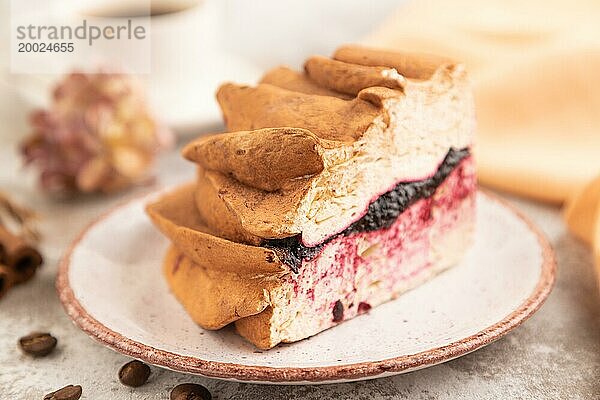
(381,214)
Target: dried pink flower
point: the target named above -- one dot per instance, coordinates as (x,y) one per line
(97,136)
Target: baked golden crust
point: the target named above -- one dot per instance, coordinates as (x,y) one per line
(410,65)
(175,214)
(295,81)
(218,281)
(351,78)
(245,214)
(230,298)
(257,328)
(268,106)
(265,159)
(214,298)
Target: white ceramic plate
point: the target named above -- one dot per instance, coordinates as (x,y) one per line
(111,285)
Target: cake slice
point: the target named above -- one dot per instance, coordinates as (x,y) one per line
(336,189)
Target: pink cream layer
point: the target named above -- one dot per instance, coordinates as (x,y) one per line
(356,272)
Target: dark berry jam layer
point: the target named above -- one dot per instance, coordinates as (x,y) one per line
(381,214)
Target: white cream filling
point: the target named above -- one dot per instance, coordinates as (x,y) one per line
(421,130)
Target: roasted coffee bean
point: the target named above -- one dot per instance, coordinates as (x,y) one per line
(190,391)
(38,344)
(134,373)
(67,393)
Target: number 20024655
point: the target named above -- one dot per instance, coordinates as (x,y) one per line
(27,47)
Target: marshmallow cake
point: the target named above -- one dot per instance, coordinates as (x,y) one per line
(335,189)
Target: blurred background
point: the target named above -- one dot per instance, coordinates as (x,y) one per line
(72,145)
(532,64)
(197,44)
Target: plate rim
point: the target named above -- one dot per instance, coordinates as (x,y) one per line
(322,374)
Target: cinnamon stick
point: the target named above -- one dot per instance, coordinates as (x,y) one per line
(20,257)
(6,279)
